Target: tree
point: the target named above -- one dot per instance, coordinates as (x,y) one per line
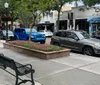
(13,5)
(36,7)
(25,17)
(12,13)
(91,2)
(57,5)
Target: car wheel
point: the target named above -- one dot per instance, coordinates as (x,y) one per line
(88,51)
(42,42)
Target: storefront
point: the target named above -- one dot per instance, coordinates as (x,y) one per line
(45,26)
(94,27)
(83,18)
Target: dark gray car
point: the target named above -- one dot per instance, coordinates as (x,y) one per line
(77,41)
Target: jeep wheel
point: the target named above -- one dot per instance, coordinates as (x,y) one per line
(15,37)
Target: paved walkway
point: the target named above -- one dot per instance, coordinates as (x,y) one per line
(76,69)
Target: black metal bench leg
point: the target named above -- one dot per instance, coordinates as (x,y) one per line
(16,80)
(32,78)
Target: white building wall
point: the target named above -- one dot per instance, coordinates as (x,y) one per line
(83,14)
(51,18)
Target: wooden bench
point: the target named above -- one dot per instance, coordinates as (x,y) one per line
(19,69)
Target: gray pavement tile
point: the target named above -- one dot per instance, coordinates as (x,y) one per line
(94,68)
(8,79)
(71,61)
(22,58)
(71,77)
(44,68)
(60,71)
(3,50)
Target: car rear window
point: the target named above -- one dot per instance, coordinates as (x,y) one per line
(61,34)
(58,34)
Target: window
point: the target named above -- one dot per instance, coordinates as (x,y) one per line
(23,31)
(63,34)
(68,34)
(58,34)
(85,35)
(17,30)
(71,35)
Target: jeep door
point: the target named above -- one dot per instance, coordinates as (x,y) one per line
(23,35)
(19,33)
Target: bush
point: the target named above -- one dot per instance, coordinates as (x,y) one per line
(36,46)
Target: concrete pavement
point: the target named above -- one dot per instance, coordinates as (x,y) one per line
(76,69)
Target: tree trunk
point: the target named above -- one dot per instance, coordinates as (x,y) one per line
(11,28)
(31,28)
(30,33)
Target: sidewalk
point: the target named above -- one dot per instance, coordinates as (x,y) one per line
(76,69)
(6,78)
(1,43)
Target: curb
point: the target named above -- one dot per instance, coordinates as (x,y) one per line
(1,43)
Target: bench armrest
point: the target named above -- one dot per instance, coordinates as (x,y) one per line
(2,66)
(27,66)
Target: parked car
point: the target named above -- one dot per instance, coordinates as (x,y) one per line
(96,35)
(77,41)
(46,33)
(24,33)
(10,35)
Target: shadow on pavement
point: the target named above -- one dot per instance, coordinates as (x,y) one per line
(95,55)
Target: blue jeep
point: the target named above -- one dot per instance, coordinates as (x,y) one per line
(24,33)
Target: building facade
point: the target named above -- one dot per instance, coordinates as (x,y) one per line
(78,19)
(51,17)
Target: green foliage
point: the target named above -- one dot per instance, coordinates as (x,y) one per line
(24,15)
(29,11)
(57,5)
(36,46)
(91,2)
(12,13)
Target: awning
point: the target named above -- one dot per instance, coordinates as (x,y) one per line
(94,20)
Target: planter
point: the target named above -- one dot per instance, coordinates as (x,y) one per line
(36,53)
